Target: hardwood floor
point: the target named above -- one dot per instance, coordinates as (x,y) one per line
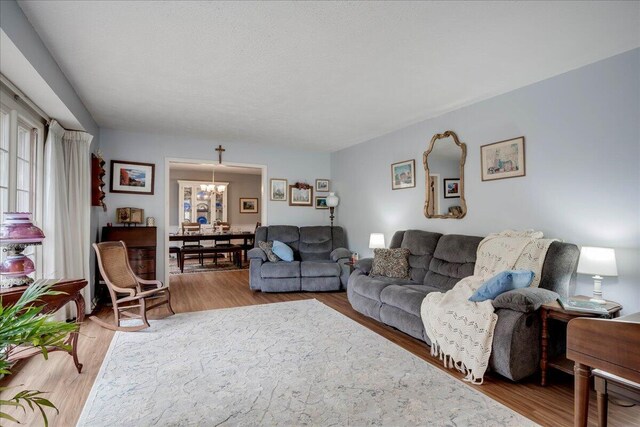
(549,406)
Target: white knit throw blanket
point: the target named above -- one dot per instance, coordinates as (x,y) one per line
(461,331)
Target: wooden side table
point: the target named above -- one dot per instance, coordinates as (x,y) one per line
(553,310)
(70,291)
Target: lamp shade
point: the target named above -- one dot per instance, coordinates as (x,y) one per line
(332,200)
(376,241)
(17,228)
(597,261)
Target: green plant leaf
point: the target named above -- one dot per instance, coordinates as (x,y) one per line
(6,416)
(23,326)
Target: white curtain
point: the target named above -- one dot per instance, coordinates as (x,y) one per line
(67,208)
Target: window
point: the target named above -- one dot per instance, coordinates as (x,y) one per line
(21,157)
(21,162)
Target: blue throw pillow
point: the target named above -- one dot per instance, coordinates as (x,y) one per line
(502,282)
(283,251)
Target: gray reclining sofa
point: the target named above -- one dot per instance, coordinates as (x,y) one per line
(437,262)
(319,260)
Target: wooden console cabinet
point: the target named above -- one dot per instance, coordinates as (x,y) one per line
(141,245)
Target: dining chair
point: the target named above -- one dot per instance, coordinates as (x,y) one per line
(192,228)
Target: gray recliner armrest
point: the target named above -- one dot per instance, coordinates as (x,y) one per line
(340,253)
(365,265)
(524,300)
(257,253)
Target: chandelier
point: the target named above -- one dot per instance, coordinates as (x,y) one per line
(212,188)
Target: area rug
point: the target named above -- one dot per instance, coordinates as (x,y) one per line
(287,364)
(193,266)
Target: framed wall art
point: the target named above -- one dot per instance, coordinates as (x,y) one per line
(321,202)
(278,190)
(300,195)
(451,188)
(322,185)
(248,205)
(403,174)
(131,177)
(502,159)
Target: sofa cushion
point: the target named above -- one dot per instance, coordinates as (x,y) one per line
(393,281)
(315,243)
(391,263)
(267,247)
(421,245)
(284,233)
(369,287)
(453,259)
(282,251)
(526,300)
(280,270)
(502,282)
(407,298)
(320,269)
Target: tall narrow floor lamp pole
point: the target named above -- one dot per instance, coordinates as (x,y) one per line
(332,202)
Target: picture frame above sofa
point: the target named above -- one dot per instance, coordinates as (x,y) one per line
(403,174)
(503,159)
(278,189)
(321,202)
(300,195)
(322,185)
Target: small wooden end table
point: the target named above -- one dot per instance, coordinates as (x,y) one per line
(70,291)
(553,310)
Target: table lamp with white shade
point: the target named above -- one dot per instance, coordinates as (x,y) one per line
(597,262)
(376,241)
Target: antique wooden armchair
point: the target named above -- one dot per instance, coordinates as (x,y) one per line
(127,290)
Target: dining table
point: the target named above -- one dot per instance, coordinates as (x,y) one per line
(248,237)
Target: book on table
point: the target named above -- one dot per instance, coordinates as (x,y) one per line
(582,306)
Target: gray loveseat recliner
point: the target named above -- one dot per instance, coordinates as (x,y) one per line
(437,262)
(319,260)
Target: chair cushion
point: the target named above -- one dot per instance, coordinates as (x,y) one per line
(280,270)
(391,263)
(320,269)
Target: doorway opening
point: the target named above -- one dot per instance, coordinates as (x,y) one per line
(211,212)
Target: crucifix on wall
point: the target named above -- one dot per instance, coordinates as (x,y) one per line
(220,150)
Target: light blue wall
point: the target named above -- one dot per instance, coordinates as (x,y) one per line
(293,165)
(582,162)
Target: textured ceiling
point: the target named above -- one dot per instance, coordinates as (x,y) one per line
(316,75)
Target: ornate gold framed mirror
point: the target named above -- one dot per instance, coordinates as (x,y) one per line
(444,177)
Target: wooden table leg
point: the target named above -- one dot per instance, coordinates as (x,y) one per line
(581,395)
(603,400)
(79,300)
(181,261)
(544,347)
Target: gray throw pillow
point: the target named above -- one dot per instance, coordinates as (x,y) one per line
(525,300)
(267,247)
(392,263)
